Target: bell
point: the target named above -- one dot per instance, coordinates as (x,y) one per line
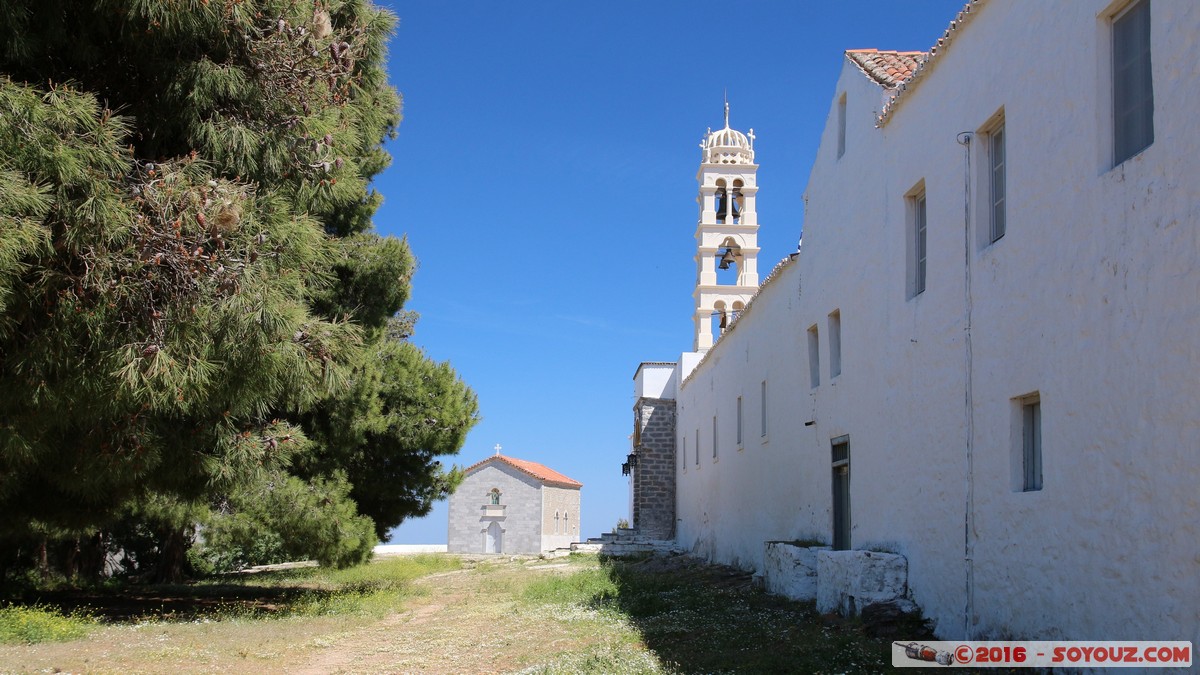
(727,259)
(722,205)
(737,203)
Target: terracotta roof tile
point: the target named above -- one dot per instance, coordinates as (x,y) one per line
(539,471)
(889,69)
(968,11)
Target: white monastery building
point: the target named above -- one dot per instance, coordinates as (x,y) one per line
(508,505)
(984,359)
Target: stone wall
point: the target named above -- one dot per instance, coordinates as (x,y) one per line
(848,581)
(790,570)
(654,476)
(521,497)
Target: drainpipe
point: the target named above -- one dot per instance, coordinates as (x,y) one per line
(964,139)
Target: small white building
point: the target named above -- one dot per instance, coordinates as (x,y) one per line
(986,355)
(509,505)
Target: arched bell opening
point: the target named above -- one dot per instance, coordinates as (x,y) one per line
(720,319)
(730,202)
(736,310)
(739,201)
(729,262)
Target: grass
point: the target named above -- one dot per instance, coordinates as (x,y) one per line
(701,618)
(581,614)
(367,590)
(33,624)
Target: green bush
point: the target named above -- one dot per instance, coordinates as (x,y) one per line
(33,623)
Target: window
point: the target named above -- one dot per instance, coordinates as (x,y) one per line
(697,447)
(917,250)
(683,455)
(763,422)
(1026,453)
(841,126)
(996,163)
(739,421)
(814,357)
(556,522)
(835,344)
(714,438)
(1031,444)
(1133,87)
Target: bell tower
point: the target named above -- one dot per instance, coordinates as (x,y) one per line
(727,232)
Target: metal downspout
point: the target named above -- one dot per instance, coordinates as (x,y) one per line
(964,139)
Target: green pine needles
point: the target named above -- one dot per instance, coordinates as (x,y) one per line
(194,309)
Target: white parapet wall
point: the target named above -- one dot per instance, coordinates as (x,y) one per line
(847,581)
(790,570)
(409,549)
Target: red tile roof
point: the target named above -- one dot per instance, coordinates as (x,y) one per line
(539,471)
(968,11)
(889,69)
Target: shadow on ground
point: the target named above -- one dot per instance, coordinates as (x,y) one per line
(698,617)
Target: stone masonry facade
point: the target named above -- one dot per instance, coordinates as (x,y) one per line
(654,474)
(520,496)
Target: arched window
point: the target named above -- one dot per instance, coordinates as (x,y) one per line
(556,522)
(494,497)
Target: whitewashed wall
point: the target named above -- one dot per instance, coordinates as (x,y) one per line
(1092,298)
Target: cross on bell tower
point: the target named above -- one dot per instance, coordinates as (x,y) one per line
(727,232)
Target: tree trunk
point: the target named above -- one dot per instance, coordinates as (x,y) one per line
(93,557)
(43,561)
(173,553)
(71,560)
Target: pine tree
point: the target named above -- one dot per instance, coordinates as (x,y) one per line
(189,284)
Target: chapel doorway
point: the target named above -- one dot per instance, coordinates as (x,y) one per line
(493,539)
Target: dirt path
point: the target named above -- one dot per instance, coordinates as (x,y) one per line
(371,648)
(468,621)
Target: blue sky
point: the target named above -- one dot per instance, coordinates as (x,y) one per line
(544,175)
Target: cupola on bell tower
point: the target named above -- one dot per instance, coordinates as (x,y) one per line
(727,233)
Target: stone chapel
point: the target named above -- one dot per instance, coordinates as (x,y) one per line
(509,505)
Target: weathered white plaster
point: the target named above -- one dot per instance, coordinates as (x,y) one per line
(790,570)
(847,581)
(655,380)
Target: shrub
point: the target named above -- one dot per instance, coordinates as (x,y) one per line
(33,623)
